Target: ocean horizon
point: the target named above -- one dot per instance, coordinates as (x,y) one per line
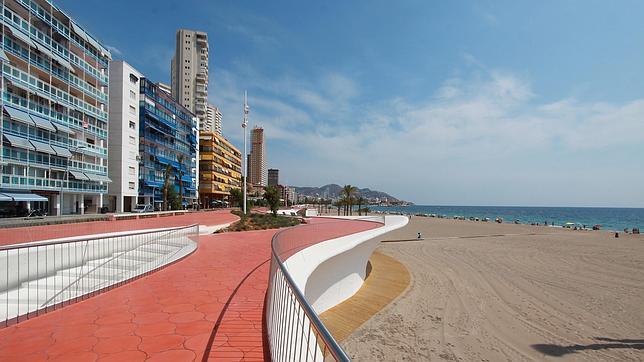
(611,218)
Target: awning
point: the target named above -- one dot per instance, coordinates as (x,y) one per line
(78,175)
(163,160)
(42,147)
(3,56)
(60,151)
(80,32)
(24,197)
(88,38)
(43,94)
(97,178)
(19,115)
(43,123)
(18,142)
(20,35)
(154,184)
(186,178)
(64,63)
(64,129)
(43,49)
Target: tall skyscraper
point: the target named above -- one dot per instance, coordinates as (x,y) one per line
(123,136)
(189,72)
(258,174)
(213,120)
(273,177)
(54,111)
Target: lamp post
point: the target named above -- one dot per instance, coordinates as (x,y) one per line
(66,179)
(244,158)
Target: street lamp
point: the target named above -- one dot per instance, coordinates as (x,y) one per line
(244,158)
(66,179)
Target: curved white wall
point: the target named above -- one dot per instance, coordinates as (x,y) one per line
(332,271)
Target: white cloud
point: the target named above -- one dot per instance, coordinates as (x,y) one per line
(114,50)
(488,129)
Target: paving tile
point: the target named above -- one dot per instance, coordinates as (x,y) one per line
(154,344)
(168,315)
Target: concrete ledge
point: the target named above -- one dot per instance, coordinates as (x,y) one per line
(332,271)
(387,280)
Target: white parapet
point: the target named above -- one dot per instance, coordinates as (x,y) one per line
(332,271)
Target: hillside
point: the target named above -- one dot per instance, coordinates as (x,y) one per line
(333,191)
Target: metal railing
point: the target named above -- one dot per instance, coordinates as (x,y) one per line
(42,276)
(295,331)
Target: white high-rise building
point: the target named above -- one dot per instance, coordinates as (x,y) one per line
(53,111)
(189,72)
(213,120)
(123,136)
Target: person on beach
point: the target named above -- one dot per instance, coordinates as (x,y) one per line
(420,236)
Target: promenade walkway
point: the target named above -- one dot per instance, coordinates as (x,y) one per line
(208,304)
(46,232)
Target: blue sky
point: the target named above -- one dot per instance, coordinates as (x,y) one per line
(436,102)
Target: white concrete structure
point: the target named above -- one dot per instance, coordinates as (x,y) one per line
(47,273)
(326,273)
(123,136)
(332,271)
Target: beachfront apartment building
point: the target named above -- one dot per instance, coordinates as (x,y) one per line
(123,153)
(167,142)
(257,172)
(54,102)
(219,168)
(189,72)
(213,120)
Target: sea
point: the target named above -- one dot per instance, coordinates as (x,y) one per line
(614,219)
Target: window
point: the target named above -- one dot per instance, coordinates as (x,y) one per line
(132,140)
(133,78)
(132,171)
(132,110)
(131,185)
(132,95)
(132,125)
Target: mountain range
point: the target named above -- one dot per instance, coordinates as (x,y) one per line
(334,191)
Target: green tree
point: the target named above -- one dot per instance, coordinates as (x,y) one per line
(237,196)
(180,160)
(166,186)
(338,204)
(360,200)
(174,199)
(272,197)
(348,192)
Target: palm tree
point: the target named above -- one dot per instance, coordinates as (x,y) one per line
(348,192)
(337,204)
(180,160)
(166,186)
(360,201)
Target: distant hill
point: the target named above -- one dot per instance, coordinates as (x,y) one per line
(333,191)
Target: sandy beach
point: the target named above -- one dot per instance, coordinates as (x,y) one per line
(501,292)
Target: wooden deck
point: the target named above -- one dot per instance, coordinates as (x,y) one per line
(388,278)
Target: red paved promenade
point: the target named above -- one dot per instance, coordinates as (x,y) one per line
(36,233)
(209,303)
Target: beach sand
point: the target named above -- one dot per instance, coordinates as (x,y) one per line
(500,292)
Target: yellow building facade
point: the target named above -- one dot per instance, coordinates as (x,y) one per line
(219,168)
